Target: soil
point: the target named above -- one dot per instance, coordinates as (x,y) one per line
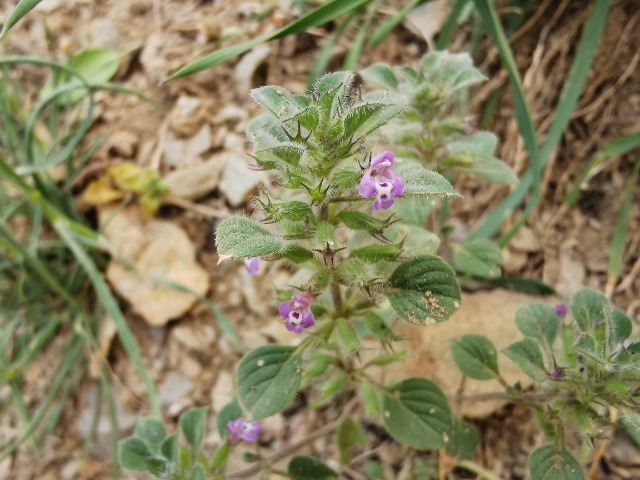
(563,247)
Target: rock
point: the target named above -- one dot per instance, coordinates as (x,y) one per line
(152,57)
(238,181)
(186,118)
(231,113)
(104,34)
(196,336)
(180,152)
(122,144)
(174,389)
(427,20)
(157,250)
(196,181)
(247,66)
(525,241)
(223,391)
(491,314)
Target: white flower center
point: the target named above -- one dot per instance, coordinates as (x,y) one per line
(295,317)
(384,189)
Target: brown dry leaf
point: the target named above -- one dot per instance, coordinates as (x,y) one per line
(491,314)
(157,251)
(194,182)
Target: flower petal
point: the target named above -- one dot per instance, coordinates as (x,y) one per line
(285,308)
(386,156)
(398,183)
(367,188)
(308,319)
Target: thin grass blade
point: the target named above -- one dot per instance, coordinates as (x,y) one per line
(386,28)
(22,8)
(319,16)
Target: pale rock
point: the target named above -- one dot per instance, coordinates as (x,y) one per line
(194,335)
(122,144)
(85,417)
(196,181)
(180,152)
(158,251)
(247,66)
(512,261)
(233,142)
(199,143)
(525,240)
(238,180)
(104,34)
(191,368)
(427,20)
(231,113)
(174,389)
(571,273)
(186,118)
(152,57)
(223,391)
(491,314)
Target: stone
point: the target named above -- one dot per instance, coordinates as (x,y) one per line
(186,118)
(197,181)
(157,251)
(223,392)
(174,389)
(196,336)
(238,180)
(247,66)
(525,240)
(491,314)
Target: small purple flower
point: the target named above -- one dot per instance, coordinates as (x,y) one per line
(252,264)
(556,375)
(381,181)
(561,310)
(298,313)
(240,429)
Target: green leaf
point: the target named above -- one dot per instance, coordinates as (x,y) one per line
(620,327)
(21,9)
(480,148)
(546,463)
(416,241)
(220,456)
(478,257)
(380,74)
(230,412)
(415,210)
(192,425)
(296,253)
(377,108)
(349,434)
(417,414)
(589,308)
(476,357)
(527,355)
(197,473)
(427,290)
(361,221)
(538,321)
(239,237)
(450,72)
(369,396)
(268,378)
(464,439)
(169,448)
(347,335)
(419,181)
(133,453)
(378,253)
(152,431)
(302,467)
(279,101)
(377,326)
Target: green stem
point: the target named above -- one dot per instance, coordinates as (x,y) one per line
(348,199)
(337,299)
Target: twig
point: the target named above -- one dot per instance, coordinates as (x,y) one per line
(475,468)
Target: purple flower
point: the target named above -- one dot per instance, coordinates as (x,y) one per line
(556,375)
(561,310)
(381,181)
(252,264)
(240,429)
(298,313)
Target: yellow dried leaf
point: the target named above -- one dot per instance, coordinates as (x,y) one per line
(100,192)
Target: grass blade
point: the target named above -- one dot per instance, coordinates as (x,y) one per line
(319,16)
(616,251)
(444,38)
(353,55)
(613,149)
(566,105)
(386,28)
(24,7)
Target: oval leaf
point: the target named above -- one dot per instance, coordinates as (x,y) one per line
(192,423)
(239,237)
(589,307)
(476,357)
(546,463)
(527,355)
(538,321)
(152,431)
(309,468)
(268,379)
(478,257)
(427,290)
(465,439)
(417,414)
(418,181)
